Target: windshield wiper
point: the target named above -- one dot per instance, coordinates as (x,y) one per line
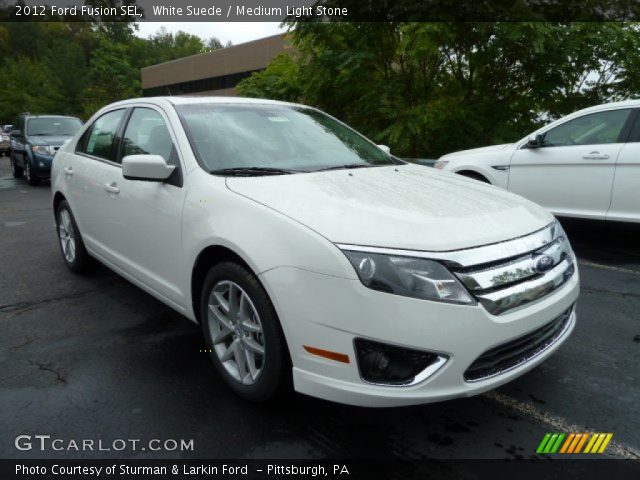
(348,166)
(252,171)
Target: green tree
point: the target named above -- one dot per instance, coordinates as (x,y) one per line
(279,81)
(25,88)
(78,67)
(430,88)
(110,77)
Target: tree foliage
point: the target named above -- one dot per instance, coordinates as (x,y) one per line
(279,81)
(430,88)
(76,68)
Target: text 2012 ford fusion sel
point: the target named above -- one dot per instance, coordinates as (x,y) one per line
(307,252)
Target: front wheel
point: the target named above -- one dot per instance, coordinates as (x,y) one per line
(16,171)
(74,253)
(28,174)
(243,334)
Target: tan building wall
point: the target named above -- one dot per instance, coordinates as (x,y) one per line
(212,73)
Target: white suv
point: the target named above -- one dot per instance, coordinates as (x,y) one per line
(308,253)
(584,165)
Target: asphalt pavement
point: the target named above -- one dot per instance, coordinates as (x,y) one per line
(96,357)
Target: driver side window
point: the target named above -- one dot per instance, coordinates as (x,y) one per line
(593,129)
(147,133)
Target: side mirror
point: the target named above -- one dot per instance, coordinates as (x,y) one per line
(15,133)
(536,142)
(385,149)
(151,168)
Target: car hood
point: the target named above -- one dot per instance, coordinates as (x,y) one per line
(54,140)
(405,207)
(475,151)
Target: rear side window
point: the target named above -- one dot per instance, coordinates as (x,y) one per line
(102,137)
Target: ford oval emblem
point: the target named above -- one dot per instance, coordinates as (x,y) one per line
(543,263)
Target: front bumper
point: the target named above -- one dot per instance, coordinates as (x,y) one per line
(329,313)
(41,166)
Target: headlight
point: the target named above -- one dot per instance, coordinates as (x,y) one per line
(43,149)
(408,276)
(440,164)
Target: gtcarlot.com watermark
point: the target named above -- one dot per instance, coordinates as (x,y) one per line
(45,443)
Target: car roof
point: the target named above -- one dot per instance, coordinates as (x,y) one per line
(28,115)
(607,106)
(188,100)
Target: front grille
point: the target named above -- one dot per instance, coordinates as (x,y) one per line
(503,284)
(512,354)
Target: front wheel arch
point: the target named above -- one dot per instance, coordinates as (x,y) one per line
(57,198)
(206,259)
(474,175)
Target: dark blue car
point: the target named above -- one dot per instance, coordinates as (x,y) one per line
(35,140)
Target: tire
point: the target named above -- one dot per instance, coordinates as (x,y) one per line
(16,171)
(28,175)
(271,371)
(72,247)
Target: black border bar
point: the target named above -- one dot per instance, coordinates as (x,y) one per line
(326,10)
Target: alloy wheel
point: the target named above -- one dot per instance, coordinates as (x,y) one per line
(236,332)
(67,236)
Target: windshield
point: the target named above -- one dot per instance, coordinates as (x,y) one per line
(293,139)
(53,126)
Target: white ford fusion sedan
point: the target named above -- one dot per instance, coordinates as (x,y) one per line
(584,165)
(308,253)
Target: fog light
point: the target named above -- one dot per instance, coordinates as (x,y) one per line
(384,364)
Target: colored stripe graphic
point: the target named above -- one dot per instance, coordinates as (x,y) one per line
(592,441)
(576,440)
(544,441)
(605,442)
(582,442)
(550,443)
(573,443)
(556,446)
(567,443)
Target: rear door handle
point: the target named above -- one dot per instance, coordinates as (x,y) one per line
(68,171)
(111,187)
(596,156)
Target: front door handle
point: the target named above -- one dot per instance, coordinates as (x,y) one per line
(111,187)
(68,171)
(596,156)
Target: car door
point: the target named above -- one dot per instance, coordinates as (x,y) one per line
(625,198)
(572,172)
(142,219)
(94,165)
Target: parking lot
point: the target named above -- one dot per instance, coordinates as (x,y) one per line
(96,357)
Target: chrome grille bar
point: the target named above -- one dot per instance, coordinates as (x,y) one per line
(500,301)
(484,278)
(502,286)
